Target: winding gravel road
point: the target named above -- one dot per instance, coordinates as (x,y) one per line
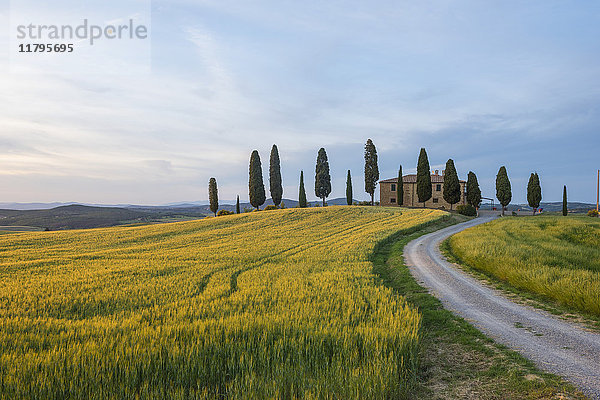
(553,344)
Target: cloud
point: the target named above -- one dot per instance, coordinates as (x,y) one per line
(484,85)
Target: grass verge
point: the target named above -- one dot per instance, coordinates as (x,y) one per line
(457,360)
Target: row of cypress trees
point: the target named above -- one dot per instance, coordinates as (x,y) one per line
(504,192)
(451,188)
(256,188)
(257,193)
(322,178)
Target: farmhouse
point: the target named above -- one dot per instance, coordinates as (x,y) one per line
(387,192)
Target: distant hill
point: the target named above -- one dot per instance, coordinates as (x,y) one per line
(81,217)
(32,206)
(70,217)
(76,216)
(549,206)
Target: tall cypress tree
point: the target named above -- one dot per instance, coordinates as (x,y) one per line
(322,177)
(564,208)
(503,190)
(424,190)
(213,196)
(302,193)
(534,192)
(473,190)
(451,191)
(400,188)
(349,189)
(275,177)
(371,169)
(255,184)
(237,205)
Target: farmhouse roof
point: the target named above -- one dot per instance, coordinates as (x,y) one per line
(435,178)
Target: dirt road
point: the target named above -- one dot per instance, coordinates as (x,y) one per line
(553,344)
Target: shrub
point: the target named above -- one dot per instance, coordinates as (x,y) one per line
(246,209)
(270,207)
(592,213)
(224,212)
(466,209)
(282,205)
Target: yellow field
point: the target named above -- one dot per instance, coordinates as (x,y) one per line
(259,305)
(553,256)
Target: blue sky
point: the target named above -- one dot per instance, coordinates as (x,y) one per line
(485,83)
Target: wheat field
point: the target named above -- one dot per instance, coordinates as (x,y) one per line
(277,304)
(553,256)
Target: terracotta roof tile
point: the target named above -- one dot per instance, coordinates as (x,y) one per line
(413,179)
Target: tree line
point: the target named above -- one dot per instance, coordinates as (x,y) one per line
(256,187)
(451,184)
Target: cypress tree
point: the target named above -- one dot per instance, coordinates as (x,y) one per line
(349,189)
(371,169)
(451,191)
(534,192)
(237,205)
(503,190)
(275,177)
(213,196)
(473,191)
(322,177)
(400,188)
(564,208)
(302,193)
(255,184)
(423,178)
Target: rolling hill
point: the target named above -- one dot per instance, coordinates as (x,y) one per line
(76,216)
(276,304)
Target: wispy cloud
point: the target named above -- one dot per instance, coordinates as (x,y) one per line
(512,83)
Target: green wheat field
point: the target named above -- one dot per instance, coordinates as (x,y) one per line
(553,256)
(258,305)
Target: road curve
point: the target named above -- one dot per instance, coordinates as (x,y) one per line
(553,344)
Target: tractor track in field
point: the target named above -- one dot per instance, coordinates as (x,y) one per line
(297,249)
(555,345)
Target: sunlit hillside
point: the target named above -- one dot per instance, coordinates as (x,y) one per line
(264,304)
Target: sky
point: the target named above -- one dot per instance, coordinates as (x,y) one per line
(485,83)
